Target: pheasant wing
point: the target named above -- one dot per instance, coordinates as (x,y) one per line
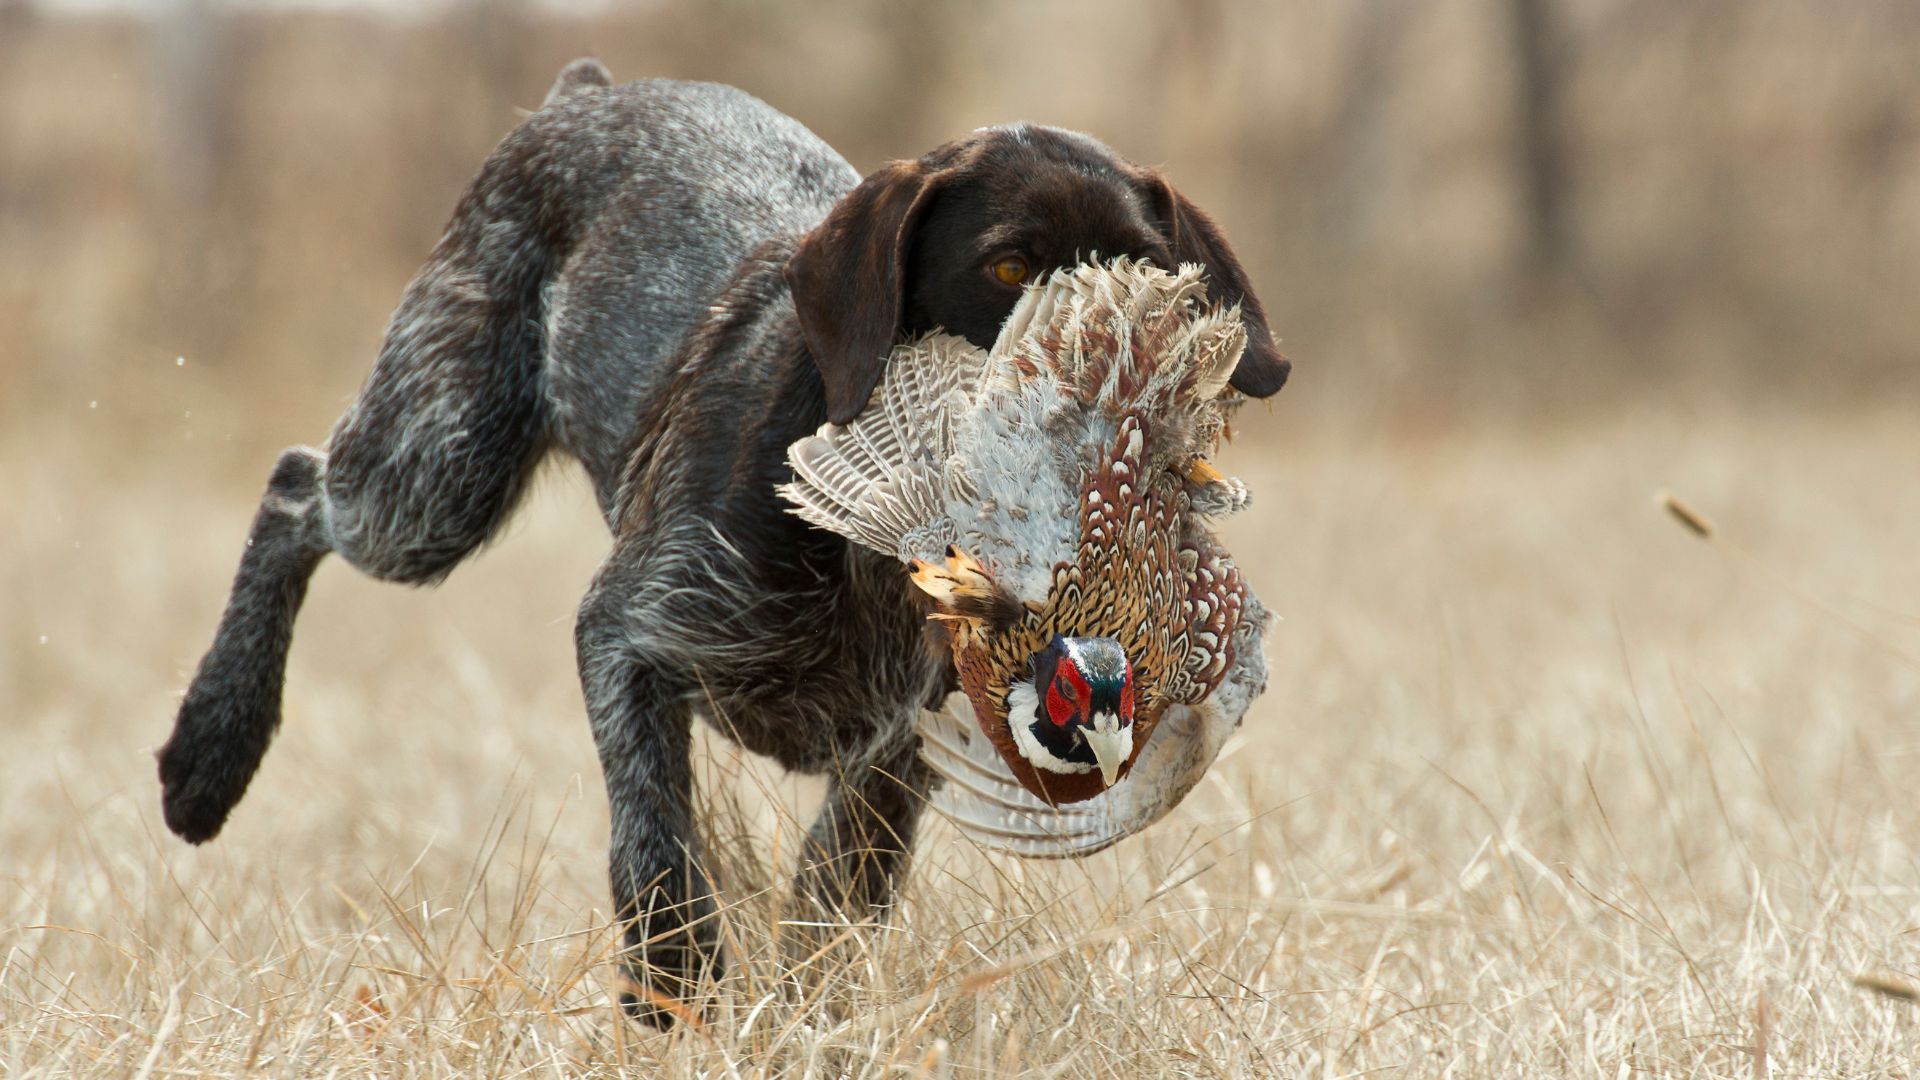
(982,800)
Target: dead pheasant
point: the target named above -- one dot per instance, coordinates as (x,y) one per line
(1049,495)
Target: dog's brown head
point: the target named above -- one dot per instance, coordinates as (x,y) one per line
(947,241)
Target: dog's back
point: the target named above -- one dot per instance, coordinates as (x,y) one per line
(669,186)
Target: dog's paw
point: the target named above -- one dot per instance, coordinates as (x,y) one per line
(662,983)
(203,772)
(650,1007)
(194,809)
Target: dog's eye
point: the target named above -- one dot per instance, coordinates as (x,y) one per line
(1011,270)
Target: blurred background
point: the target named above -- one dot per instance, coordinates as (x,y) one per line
(1534,261)
(1460,205)
(1533,258)
(1674,243)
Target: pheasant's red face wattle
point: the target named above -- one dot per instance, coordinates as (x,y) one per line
(1074,718)
(1062,708)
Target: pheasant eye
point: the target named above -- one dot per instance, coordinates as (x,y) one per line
(1059,705)
(1011,270)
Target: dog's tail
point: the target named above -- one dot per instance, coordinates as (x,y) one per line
(423,469)
(585,71)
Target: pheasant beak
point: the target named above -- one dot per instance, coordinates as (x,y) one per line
(1111,743)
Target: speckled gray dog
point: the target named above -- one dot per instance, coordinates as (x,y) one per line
(670,282)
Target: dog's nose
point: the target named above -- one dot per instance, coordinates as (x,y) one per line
(1262,370)
(1281,370)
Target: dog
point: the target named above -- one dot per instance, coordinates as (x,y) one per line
(670,282)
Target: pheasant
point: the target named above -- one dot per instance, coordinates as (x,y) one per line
(1050,496)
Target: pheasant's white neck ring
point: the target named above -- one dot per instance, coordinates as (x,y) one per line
(1076,714)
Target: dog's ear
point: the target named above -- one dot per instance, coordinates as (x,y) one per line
(1194,238)
(848,278)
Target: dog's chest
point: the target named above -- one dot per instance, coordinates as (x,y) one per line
(841,666)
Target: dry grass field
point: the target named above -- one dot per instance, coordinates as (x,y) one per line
(1544,784)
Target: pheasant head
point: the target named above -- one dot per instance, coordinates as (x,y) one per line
(1048,496)
(1075,716)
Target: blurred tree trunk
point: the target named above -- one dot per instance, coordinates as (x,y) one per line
(1189,40)
(191,73)
(1540,164)
(499,35)
(1362,151)
(196,90)
(921,36)
(16,18)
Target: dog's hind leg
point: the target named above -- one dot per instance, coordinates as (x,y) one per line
(233,704)
(434,455)
(423,468)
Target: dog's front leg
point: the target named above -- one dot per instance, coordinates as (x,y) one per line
(642,727)
(862,840)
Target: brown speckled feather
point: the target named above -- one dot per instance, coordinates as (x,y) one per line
(1056,485)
